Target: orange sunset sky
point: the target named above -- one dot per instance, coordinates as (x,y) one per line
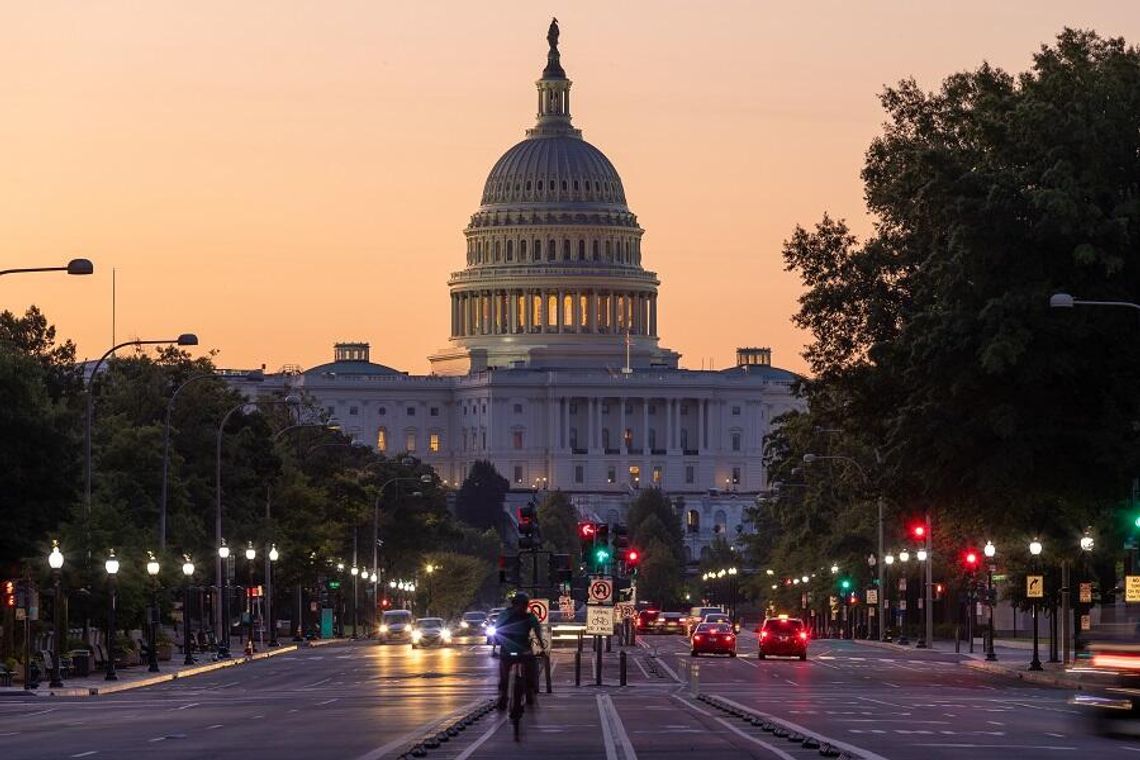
(276,176)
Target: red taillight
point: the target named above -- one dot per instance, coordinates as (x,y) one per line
(763,634)
(803,635)
(730,637)
(697,637)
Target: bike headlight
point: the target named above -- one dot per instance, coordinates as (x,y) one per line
(417,635)
(490,630)
(383,628)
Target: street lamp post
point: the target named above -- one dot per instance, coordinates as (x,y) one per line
(112,567)
(990,551)
(250,555)
(188,573)
(355,602)
(888,561)
(55,562)
(808,459)
(223,611)
(904,558)
(1087,544)
(152,569)
(430,569)
(75,266)
(1035,663)
(218,498)
(273,556)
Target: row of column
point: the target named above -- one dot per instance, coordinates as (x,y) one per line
(595,422)
(506,312)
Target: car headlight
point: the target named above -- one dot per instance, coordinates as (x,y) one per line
(490,630)
(445,634)
(416,635)
(383,628)
(464,624)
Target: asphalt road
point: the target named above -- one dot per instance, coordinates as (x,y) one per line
(364,702)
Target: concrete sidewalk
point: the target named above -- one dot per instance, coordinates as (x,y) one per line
(1013,657)
(137,676)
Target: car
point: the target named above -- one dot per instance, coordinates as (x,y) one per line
(713,638)
(646,621)
(492,616)
(696,615)
(717,617)
(471,624)
(396,627)
(430,632)
(670,622)
(783,636)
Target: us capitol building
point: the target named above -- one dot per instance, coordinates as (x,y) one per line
(554,370)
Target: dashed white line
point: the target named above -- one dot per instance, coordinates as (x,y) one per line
(216,725)
(327,701)
(85,754)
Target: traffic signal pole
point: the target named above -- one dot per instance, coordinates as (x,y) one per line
(882,567)
(929,591)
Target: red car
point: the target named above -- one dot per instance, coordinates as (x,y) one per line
(784,637)
(713,638)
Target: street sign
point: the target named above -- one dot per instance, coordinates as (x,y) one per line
(540,608)
(902,584)
(624,610)
(599,621)
(566,605)
(1035,586)
(872,596)
(1132,588)
(1086,622)
(601,591)
(1085,593)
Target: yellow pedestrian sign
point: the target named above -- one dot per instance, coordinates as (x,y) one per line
(1132,588)
(1035,586)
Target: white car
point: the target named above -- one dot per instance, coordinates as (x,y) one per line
(396,627)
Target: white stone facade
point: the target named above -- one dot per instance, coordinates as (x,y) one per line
(553,371)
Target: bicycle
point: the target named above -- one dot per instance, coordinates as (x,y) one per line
(519,686)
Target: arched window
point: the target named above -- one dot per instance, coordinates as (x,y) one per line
(595,250)
(568,311)
(382,440)
(552,310)
(720,522)
(565,250)
(693,521)
(510,250)
(581,250)
(410,440)
(706,553)
(497,254)
(522,250)
(551,251)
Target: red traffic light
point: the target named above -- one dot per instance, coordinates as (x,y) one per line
(633,557)
(587,531)
(971,558)
(918,531)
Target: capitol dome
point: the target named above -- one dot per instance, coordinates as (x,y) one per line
(554,276)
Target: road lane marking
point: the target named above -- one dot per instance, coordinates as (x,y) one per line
(612,727)
(892,685)
(479,742)
(327,701)
(690,705)
(999,746)
(41,712)
(865,754)
(881,702)
(187,707)
(607,734)
(216,725)
(774,750)
(644,672)
(85,754)
(318,683)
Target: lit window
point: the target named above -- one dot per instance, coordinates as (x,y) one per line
(657,475)
(410,441)
(693,521)
(433,442)
(634,475)
(382,440)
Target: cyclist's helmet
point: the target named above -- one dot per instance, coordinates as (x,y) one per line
(520,599)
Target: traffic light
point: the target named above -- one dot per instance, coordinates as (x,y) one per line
(385,602)
(633,558)
(334,583)
(939,591)
(9,600)
(621,542)
(845,584)
(918,531)
(587,535)
(528,526)
(970,559)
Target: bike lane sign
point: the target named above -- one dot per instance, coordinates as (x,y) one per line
(599,621)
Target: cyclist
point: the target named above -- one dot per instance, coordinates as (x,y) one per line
(513,630)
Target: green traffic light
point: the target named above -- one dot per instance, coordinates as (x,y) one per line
(845,584)
(1136,522)
(601,555)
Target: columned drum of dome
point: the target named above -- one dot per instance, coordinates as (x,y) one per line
(553,273)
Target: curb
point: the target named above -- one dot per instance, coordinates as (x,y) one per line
(112,687)
(1059,680)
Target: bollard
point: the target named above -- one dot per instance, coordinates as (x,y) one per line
(549,687)
(694,678)
(579,642)
(608,643)
(957,640)
(598,661)
(621,668)
(578,665)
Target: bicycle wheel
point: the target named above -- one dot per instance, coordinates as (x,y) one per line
(516,687)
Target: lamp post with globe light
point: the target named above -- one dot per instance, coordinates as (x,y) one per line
(188,574)
(991,552)
(152,568)
(1035,664)
(888,563)
(903,638)
(250,556)
(223,607)
(55,562)
(272,556)
(355,602)
(1087,544)
(112,567)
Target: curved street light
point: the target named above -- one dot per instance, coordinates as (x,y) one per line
(75,266)
(112,568)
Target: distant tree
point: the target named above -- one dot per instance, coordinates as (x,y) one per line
(653,505)
(660,576)
(454,586)
(558,523)
(479,502)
